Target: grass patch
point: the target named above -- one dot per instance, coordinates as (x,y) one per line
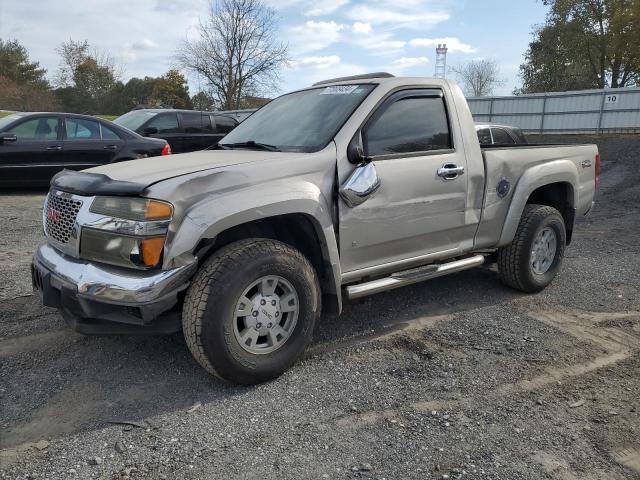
(4,114)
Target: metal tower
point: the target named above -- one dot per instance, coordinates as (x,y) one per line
(441,60)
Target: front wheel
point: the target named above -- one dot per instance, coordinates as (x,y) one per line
(532,260)
(251,310)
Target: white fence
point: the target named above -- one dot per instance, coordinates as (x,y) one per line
(586,111)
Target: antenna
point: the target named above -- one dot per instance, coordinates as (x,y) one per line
(441,60)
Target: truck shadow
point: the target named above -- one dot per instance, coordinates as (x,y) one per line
(59,382)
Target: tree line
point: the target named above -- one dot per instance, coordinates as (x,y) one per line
(87,81)
(236,55)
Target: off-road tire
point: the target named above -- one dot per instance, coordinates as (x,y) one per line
(209,306)
(514,260)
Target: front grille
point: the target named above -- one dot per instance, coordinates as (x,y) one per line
(60,215)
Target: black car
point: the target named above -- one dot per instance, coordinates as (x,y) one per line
(185,130)
(490,134)
(36,146)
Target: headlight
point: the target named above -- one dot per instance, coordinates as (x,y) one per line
(121,250)
(131,233)
(139,209)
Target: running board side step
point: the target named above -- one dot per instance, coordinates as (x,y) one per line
(409,277)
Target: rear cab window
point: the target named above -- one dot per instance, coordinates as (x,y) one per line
(484,136)
(502,137)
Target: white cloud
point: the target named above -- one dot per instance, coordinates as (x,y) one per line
(360,27)
(144,44)
(453,44)
(408,62)
(378,43)
(398,17)
(310,8)
(324,7)
(312,35)
(320,62)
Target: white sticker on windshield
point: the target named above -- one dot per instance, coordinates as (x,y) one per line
(339,90)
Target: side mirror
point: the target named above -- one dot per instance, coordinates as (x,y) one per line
(150,131)
(360,185)
(8,137)
(355,151)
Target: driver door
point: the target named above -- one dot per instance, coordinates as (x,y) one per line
(419,210)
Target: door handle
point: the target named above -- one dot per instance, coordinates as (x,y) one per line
(450,171)
(110,147)
(55,148)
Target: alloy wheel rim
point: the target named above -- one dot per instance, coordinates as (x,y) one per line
(266,315)
(543,251)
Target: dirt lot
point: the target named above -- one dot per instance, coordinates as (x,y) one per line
(456,378)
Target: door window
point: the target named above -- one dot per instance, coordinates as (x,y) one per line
(224,124)
(484,136)
(165,123)
(81,129)
(410,124)
(207,124)
(192,122)
(108,134)
(501,137)
(44,128)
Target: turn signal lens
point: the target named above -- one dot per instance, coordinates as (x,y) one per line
(151,250)
(155,210)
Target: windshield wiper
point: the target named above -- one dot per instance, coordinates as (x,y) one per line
(251,144)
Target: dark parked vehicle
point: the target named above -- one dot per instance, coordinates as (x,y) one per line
(36,146)
(185,130)
(489,134)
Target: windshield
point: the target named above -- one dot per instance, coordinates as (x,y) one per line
(134,119)
(4,121)
(304,121)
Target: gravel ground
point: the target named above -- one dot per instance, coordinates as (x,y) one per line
(459,377)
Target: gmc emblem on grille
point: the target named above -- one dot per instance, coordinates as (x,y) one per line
(53,215)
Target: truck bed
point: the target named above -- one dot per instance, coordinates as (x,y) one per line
(511,169)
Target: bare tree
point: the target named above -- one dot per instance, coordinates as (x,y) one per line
(478,78)
(236,51)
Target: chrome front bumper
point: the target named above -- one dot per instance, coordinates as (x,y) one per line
(93,291)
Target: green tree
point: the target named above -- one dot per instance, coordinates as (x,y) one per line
(15,65)
(584,44)
(86,79)
(23,85)
(203,101)
(171,90)
(137,92)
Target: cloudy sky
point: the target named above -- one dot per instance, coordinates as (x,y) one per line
(327,38)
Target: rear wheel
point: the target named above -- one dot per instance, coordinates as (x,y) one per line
(532,260)
(251,310)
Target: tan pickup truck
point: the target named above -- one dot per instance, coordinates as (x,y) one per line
(347,188)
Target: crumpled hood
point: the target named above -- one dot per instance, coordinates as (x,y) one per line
(155,169)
